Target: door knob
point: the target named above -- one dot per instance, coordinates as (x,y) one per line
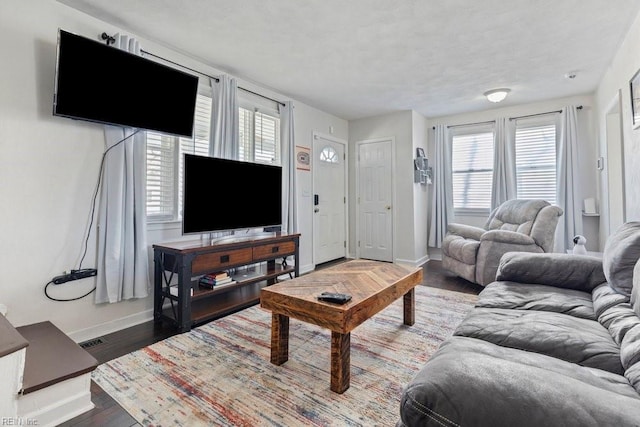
(316,210)
(388,207)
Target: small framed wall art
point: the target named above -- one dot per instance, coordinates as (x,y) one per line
(303,158)
(634,85)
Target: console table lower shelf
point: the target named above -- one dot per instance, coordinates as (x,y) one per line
(191,304)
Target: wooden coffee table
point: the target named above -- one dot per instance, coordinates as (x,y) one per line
(373,286)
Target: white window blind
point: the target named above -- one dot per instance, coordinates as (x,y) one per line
(536,162)
(472,167)
(160,176)
(165,163)
(259,137)
(267,131)
(246,134)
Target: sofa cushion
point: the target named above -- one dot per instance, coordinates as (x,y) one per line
(462,249)
(633,376)
(524,296)
(469,382)
(604,297)
(578,272)
(621,252)
(618,320)
(630,347)
(581,341)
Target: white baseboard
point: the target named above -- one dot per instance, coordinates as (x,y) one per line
(415,263)
(435,253)
(111,326)
(306,268)
(57,403)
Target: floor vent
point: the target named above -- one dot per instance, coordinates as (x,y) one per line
(92,343)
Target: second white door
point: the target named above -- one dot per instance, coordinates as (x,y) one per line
(375,194)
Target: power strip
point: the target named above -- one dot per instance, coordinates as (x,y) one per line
(74,275)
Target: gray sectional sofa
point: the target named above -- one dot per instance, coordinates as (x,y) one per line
(554,341)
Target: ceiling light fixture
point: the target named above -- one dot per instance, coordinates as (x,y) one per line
(497,95)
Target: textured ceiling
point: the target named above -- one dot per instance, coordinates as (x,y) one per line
(358,58)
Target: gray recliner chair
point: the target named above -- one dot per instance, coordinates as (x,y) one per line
(474,253)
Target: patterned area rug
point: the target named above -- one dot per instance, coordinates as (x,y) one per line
(220,374)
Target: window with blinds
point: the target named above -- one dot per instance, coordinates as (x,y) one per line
(472,170)
(259,137)
(536,162)
(259,142)
(160,176)
(165,163)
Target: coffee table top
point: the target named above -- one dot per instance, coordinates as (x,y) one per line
(373,285)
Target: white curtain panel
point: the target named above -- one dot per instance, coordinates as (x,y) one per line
(225,119)
(123,263)
(442,193)
(289,175)
(504,169)
(568,180)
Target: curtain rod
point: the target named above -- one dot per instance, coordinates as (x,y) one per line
(470,124)
(579,107)
(109,39)
(212,77)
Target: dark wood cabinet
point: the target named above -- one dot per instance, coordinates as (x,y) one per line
(182,263)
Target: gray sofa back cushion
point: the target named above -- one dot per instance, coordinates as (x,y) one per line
(515,215)
(621,253)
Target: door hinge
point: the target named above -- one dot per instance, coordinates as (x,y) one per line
(344,199)
(358,243)
(345,243)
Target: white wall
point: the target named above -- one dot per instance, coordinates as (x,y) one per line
(408,245)
(586,153)
(421,202)
(49,167)
(625,64)
(307,121)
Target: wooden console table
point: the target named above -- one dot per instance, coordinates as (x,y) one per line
(189,260)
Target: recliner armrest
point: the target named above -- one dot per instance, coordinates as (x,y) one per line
(466,231)
(506,236)
(577,272)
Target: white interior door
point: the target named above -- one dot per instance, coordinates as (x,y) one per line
(329,198)
(375,195)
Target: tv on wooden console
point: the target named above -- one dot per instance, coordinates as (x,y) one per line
(221,194)
(103,84)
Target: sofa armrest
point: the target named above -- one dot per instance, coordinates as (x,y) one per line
(466,231)
(577,272)
(470,382)
(506,236)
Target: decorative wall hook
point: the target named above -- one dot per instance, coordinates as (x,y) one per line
(109,39)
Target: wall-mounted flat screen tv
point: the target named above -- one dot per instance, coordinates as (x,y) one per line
(101,83)
(222,194)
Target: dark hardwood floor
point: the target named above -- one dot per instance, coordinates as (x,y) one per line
(108,412)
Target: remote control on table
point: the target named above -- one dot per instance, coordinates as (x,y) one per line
(334,297)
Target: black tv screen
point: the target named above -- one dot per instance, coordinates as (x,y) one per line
(101,83)
(221,194)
